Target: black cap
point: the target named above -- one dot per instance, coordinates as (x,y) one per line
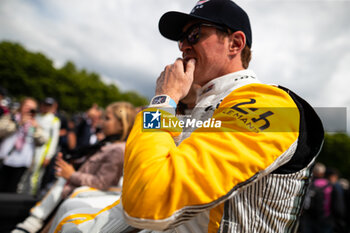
(221,12)
(49,101)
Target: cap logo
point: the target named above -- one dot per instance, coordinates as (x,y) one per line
(199,5)
(201,2)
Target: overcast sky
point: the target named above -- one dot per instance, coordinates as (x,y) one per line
(301,44)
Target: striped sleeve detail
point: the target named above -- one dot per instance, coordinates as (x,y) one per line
(269,205)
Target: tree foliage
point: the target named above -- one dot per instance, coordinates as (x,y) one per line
(24,73)
(336,153)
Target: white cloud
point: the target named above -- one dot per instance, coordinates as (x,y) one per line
(338,83)
(301,44)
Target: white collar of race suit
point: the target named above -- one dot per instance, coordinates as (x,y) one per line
(212,93)
(228,82)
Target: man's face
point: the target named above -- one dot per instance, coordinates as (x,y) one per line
(46,108)
(210,53)
(94,115)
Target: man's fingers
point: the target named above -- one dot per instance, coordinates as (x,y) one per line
(176,79)
(179,64)
(190,66)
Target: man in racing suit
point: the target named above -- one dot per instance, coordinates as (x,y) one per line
(248,175)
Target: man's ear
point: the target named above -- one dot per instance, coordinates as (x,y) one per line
(237,42)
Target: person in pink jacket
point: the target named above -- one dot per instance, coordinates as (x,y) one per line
(102,169)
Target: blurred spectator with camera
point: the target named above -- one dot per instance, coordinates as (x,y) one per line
(20,135)
(51,125)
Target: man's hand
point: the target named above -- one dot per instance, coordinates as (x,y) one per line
(63,168)
(174,81)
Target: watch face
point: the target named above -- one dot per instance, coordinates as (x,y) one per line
(159,100)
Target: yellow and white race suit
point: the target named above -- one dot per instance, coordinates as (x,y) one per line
(248,175)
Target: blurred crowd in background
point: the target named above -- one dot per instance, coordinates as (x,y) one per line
(32,132)
(35,134)
(327,203)
(47,154)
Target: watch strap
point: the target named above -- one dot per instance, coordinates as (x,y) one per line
(163,100)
